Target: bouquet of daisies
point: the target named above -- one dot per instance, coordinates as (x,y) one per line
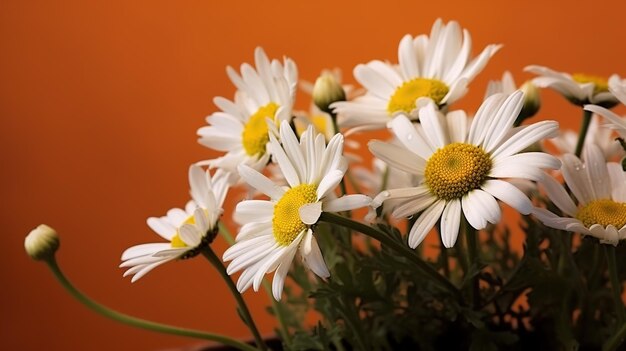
(413,252)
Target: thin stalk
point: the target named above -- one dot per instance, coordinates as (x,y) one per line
(616,340)
(282,323)
(398,247)
(243,308)
(138,322)
(583,132)
(616,285)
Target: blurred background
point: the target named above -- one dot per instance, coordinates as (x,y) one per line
(100,103)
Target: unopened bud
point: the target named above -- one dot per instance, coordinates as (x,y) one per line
(532,102)
(42,242)
(326,91)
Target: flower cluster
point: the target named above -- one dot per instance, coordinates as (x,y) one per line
(442,167)
(443,170)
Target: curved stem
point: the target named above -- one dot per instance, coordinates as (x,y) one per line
(282,321)
(243,308)
(583,132)
(137,322)
(616,285)
(616,340)
(398,247)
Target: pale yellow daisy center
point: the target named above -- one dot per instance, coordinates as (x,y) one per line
(176,241)
(456,169)
(600,84)
(286,222)
(403,99)
(603,212)
(319,123)
(255,133)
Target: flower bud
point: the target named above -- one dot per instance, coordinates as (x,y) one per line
(326,91)
(531,102)
(42,242)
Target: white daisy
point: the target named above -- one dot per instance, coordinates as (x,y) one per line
(507,86)
(274,230)
(600,191)
(240,128)
(578,88)
(382,177)
(617,87)
(436,68)
(187,231)
(463,168)
(596,134)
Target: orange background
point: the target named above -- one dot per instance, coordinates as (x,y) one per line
(100,103)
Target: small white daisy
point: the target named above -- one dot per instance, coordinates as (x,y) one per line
(240,128)
(382,177)
(617,87)
(596,134)
(186,230)
(578,88)
(436,68)
(463,168)
(507,85)
(600,191)
(274,230)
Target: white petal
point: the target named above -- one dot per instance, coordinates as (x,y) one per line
(313,258)
(397,157)
(409,137)
(425,223)
(287,168)
(432,123)
(260,182)
(253,211)
(347,203)
(143,250)
(509,194)
(329,183)
(598,174)
(310,213)
(450,222)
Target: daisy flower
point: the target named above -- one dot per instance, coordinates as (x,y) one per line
(507,86)
(617,87)
(463,170)
(578,88)
(187,230)
(600,191)
(240,128)
(431,68)
(382,177)
(275,230)
(596,134)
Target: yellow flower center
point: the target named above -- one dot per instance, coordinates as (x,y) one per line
(176,241)
(319,122)
(286,222)
(456,169)
(254,136)
(603,212)
(600,84)
(403,99)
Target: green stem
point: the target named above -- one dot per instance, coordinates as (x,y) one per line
(388,241)
(243,308)
(282,322)
(473,254)
(583,132)
(616,340)
(616,285)
(137,322)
